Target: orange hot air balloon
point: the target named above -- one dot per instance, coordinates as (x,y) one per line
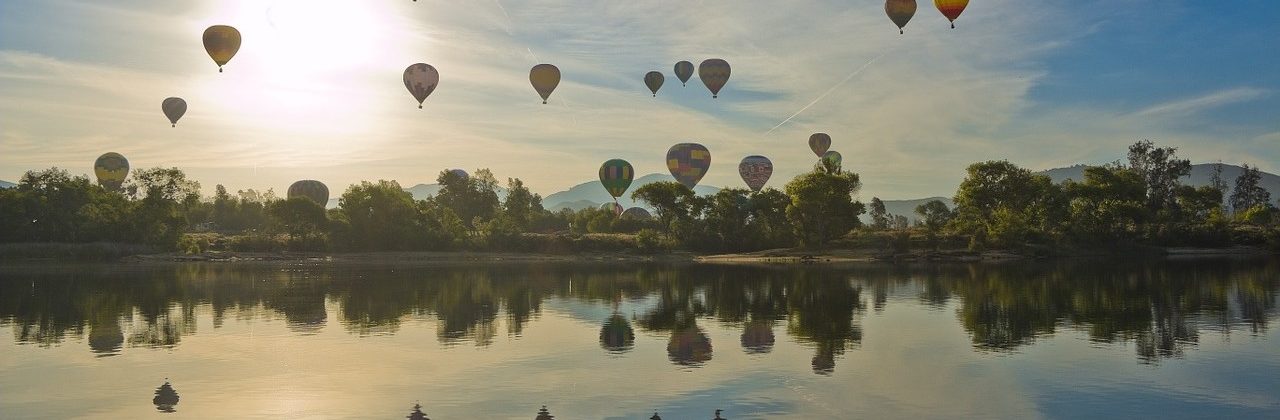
(951,9)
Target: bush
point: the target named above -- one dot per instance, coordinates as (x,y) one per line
(650,241)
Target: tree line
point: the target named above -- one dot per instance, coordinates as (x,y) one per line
(998,206)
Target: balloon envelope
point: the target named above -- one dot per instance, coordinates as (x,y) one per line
(614,208)
(312,189)
(221,42)
(654,81)
(819,143)
(832,159)
(173,108)
(638,213)
(688,163)
(459,173)
(111,169)
(900,12)
(421,79)
(714,73)
(951,9)
(544,78)
(616,176)
(684,71)
(755,171)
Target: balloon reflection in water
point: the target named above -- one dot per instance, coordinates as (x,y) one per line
(166,397)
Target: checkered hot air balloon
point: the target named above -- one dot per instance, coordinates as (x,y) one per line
(688,163)
(111,169)
(421,79)
(616,176)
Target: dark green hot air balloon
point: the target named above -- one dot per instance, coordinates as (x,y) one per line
(616,176)
(312,189)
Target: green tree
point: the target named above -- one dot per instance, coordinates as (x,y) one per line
(934,215)
(378,216)
(670,201)
(1161,169)
(521,206)
(822,206)
(1248,193)
(1108,206)
(299,217)
(474,198)
(1001,202)
(879,215)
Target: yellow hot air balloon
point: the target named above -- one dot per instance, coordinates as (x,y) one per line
(221,42)
(900,12)
(544,78)
(111,169)
(951,9)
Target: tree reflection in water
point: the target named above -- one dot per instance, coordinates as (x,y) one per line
(1163,308)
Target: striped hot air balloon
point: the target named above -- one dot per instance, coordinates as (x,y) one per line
(714,73)
(900,12)
(684,71)
(951,9)
(616,176)
(819,143)
(688,163)
(654,81)
(312,189)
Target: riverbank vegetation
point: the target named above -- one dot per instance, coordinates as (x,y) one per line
(1134,204)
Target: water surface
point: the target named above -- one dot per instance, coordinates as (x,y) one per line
(1173,339)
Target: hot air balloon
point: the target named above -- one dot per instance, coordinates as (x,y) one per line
(654,81)
(545,78)
(638,213)
(819,143)
(617,336)
(614,208)
(900,12)
(688,163)
(755,170)
(951,9)
(312,189)
(173,108)
(616,176)
(421,79)
(684,71)
(460,173)
(832,160)
(714,73)
(111,169)
(221,42)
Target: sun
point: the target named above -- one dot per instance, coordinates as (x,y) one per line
(326,35)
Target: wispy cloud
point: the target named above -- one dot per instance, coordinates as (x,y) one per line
(1183,107)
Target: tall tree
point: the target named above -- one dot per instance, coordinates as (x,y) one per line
(1004,203)
(822,206)
(934,215)
(1162,171)
(1248,193)
(879,215)
(670,201)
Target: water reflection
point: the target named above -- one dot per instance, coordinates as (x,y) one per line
(1162,308)
(166,398)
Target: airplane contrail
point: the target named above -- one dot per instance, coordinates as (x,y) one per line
(828,92)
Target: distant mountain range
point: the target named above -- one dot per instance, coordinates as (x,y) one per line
(1200,176)
(591,194)
(7,184)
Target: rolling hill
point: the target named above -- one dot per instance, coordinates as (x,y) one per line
(7,184)
(592,192)
(1200,176)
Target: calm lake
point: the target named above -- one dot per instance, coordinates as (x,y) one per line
(1188,338)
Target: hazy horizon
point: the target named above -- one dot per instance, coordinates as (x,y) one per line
(315,91)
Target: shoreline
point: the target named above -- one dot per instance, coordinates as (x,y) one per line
(776,256)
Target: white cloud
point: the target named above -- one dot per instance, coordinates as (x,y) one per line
(1184,107)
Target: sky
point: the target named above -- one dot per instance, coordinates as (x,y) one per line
(315,91)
